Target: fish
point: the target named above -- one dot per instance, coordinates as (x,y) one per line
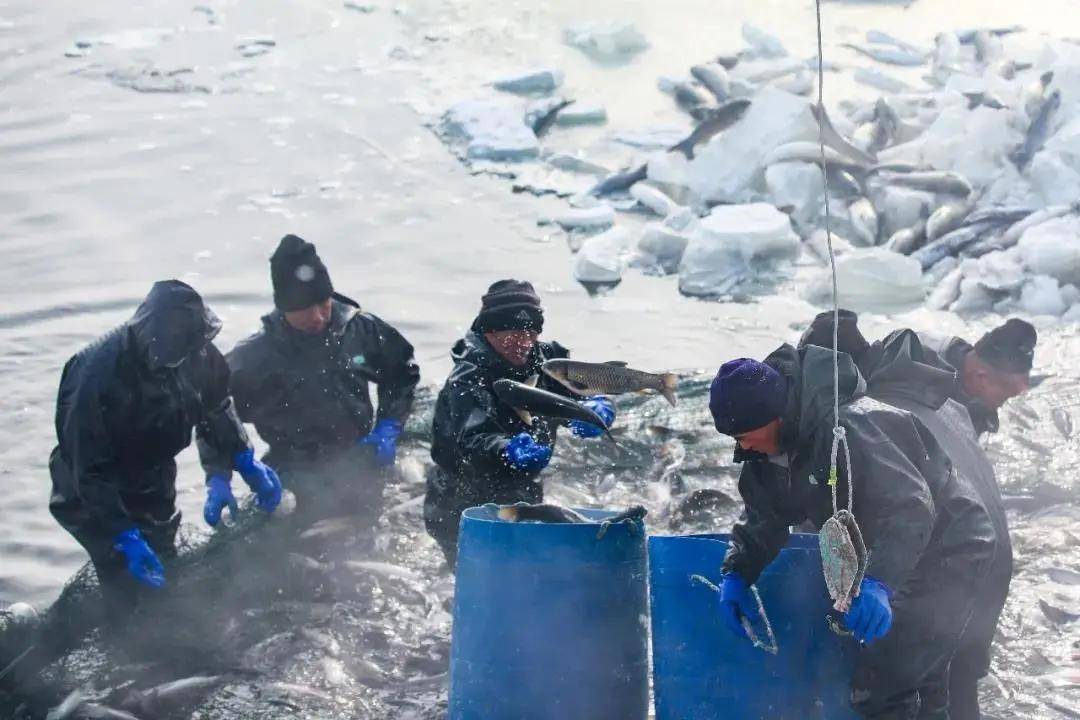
(810,152)
(704,504)
(328,527)
(716,121)
(1000,214)
(935,181)
(878,37)
(543,512)
(864,221)
(948,218)
(573,163)
(534,401)
(842,183)
(1063,422)
(687,95)
(613,378)
(1032,445)
(1037,132)
(908,240)
(728,62)
(68,705)
(1012,235)
(1056,615)
(885,127)
(836,141)
(157,701)
(617,182)
(96,711)
(890,56)
(984,99)
(967,37)
(300,691)
(715,79)
(950,244)
(541,114)
(1064,576)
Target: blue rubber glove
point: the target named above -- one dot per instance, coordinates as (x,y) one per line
(870,616)
(218,497)
(383,437)
(261,478)
(736,602)
(142,561)
(600,405)
(524,453)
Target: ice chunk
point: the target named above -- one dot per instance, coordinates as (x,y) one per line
(937,273)
(655,138)
(730,168)
(946,291)
(1041,295)
(899,208)
(665,244)
(598,217)
(798,186)
(761,43)
(1052,248)
(879,80)
(603,257)
(580,114)
(872,279)
(653,199)
(998,272)
(1072,315)
(734,243)
(606,41)
(1054,181)
(818,246)
(974,297)
(492,129)
(539,80)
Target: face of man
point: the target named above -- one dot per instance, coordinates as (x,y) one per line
(311,320)
(514,346)
(991,386)
(764,440)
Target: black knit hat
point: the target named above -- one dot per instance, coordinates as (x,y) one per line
(300,279)
(510,305)
(849,338)
(746,395)
(1009,348)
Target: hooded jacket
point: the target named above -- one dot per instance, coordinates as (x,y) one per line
(471,427)
(307,394)
(910,506)
(127,405)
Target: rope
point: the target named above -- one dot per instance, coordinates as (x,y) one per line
(770,646)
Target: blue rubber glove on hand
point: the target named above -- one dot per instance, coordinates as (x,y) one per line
(142,561)
(383,437)
(219,496)
(524,453)
(736,602)
(600,405)
(261,478)
(870,616)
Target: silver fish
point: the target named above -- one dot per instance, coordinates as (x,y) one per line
(948,218)
(837,141)
(864,220)
(619,181)
(612,378)
(934,181)
(687,95)
(328,527)
(950,244)
(890,56)
(1012,235)
(810,152)
(540,115)
(547,513)
(908,240)
(715,79)
(157,701)
(1064,576)
(1056,615)
(716,121)
(1063,423)
(1037,132)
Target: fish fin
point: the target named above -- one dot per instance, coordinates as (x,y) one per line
(670,385)
(616,363)
(532,380)
(508,514)
(525,415)
(686,147)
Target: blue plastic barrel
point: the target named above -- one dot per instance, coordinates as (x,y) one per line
(549,621)
(702,671)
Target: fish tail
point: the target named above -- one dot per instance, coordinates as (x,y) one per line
(686,147)
(508,514)
(669,384)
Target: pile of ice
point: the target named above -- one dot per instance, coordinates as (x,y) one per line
(953,186)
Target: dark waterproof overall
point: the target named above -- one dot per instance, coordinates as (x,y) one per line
(928,533)
(126,407)
(308,397)
(469,432)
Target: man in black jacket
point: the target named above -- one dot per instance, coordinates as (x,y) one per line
(302,380)
(127,405)
(929,536)
(483,450)
(906,371)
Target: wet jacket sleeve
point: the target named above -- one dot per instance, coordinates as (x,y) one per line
(219,434)
(87,450)
(893,503)
(389,358)
(467,428)
(763,530)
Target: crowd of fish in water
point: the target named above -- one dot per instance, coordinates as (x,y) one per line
(274,617)
(952,173)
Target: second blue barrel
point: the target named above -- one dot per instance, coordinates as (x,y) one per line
(549,621)
(702,671)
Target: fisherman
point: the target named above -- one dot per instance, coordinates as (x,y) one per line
(903,371)
(484,451)
(126,406)
(929,537)
(994,370)
(303,378)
